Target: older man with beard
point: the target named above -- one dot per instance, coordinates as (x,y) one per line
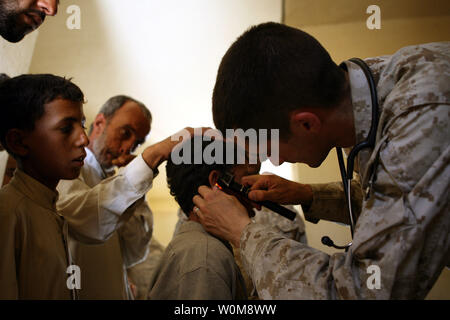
(20,17)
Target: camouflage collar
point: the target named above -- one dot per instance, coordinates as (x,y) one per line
(361,100)
(362,111)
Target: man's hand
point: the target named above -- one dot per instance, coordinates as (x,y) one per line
(160,152)
(274,188)
(221,214)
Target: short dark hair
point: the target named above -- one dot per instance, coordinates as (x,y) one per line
(113,104)
(184,179)
(3,76)
(269,71)
(23,99)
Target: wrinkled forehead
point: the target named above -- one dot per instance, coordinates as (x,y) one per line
(131,115)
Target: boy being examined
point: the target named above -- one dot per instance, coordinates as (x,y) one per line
(42,128)
(195,264)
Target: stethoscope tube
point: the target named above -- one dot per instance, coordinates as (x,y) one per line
(347,174)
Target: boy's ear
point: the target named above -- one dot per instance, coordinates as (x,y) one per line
(308,122)
(99,124)
(15,142)
(213,177)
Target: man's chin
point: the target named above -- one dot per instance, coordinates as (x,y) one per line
(14,29)
(104,163)
(107,165)
(316,163)
(14,37)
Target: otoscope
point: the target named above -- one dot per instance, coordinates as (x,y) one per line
(226,182)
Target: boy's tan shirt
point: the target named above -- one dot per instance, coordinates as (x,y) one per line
(33,254)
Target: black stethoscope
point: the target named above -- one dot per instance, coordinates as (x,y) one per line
(347,174)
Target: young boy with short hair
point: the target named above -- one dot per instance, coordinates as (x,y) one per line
(41,126)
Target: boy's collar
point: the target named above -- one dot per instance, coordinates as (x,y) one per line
(190,225)
(34,190)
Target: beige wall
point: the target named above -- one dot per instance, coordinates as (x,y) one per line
(340,26)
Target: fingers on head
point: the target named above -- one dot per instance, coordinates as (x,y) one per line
(198,201)
(204,191)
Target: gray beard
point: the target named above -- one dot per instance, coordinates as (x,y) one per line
(98,147)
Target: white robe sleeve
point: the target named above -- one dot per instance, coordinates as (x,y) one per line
(94,213)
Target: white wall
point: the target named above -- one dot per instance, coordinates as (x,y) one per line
(164,53)
(15,58)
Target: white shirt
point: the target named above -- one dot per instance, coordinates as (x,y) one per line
(108,204)
(3,161)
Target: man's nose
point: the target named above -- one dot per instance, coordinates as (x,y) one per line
(126,147)
(49,7)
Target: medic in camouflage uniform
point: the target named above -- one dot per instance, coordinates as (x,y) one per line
(403,224)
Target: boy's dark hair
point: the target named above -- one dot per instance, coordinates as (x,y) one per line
(269,71)
(22,100)
(184,179)
(3,77)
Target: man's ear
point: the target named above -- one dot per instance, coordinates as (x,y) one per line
(99,124)
(16,142)
(308,122)
(213,177)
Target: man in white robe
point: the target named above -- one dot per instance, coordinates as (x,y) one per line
(121,125)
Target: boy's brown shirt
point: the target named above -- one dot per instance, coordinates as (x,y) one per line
(33,254)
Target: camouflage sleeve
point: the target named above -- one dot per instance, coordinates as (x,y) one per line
(402,237)
(329,202)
